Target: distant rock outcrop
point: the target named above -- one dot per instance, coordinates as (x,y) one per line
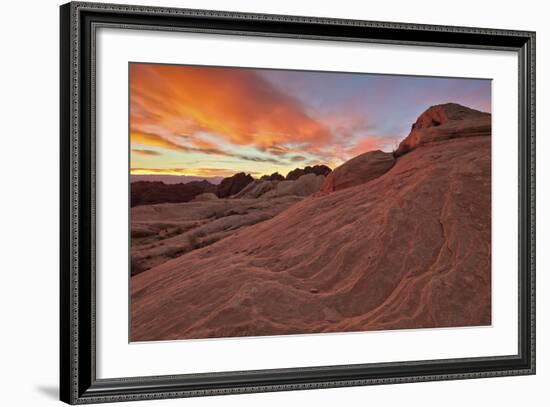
(316,169)
(147,193)
(446,121)
(359,170)
(256,189)
(232,185)
(305,185)
(273,177)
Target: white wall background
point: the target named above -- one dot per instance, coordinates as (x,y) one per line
(29,165)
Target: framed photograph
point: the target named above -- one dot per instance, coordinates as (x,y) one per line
(255,203)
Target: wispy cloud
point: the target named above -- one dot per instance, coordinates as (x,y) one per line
(145,153)
(154,140)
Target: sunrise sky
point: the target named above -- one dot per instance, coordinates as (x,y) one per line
(215,121)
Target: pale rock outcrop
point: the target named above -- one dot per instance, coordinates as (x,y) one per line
(305,185)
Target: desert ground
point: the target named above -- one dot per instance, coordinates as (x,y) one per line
(385,241)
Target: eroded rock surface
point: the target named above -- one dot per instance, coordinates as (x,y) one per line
(163,232)
(443,122)
(409,249)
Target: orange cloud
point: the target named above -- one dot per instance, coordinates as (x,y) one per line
(154,140)
(371,143)
(197,145)
(235,104)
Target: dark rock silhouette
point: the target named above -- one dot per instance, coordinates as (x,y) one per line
(147,193)
(234,184)
(273,177)
(316,169)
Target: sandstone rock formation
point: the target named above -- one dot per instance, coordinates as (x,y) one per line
(232,185)
(409,249)
(305,185)
(162,232)
(443,122)
(358,170)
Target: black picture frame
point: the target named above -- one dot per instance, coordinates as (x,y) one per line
(78,382)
